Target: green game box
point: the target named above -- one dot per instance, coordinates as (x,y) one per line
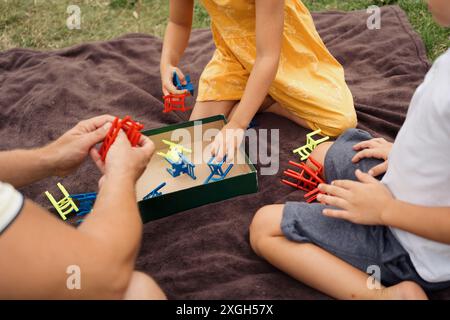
(183,193)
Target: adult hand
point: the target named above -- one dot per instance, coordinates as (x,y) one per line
(374,148)
(167,80)
(360,202)
(123,160)
(70,150)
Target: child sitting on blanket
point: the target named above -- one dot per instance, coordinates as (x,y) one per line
(398,228)
(269,58)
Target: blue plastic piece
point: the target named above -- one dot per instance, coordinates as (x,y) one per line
(252,124)
(182,166)
(188,86)
(85,202)
(217,171)
(155,192)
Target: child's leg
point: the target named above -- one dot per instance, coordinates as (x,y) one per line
(204,109)
(275,108)
(142,287)
(314,266)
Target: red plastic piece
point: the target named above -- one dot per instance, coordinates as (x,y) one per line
(175,102)
(307,178)
(131,128)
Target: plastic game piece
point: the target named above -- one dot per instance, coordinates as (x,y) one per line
(311,144)
(217,171)
(85,202)
(312,195)
(188,86)
(307,179)
(131,128)
(252,124)
(175,102)
(180,164)
(155,192)
(64,206)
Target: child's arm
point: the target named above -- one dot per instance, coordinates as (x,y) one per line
(428,222)
(269,34)
(370,202)
(176,40)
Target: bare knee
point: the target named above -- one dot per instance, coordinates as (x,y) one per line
(319,153)
(143,287)
(265,224)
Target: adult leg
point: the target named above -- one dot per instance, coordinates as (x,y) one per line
(142,287)
(315,266)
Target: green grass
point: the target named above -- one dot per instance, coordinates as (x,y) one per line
(41,24)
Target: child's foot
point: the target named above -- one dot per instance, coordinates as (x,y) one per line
(406,290)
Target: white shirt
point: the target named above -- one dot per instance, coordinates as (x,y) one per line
(11,202)
(419,166)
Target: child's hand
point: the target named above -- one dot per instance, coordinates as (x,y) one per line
(227,141)
(374,148)
(167,80)
(361,202)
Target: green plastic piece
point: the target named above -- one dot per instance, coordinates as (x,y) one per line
(311,144)
(64,206)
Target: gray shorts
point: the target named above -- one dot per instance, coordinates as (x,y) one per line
(360,245)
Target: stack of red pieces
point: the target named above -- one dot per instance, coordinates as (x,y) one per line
(175,102)
(131,128)
(307,179)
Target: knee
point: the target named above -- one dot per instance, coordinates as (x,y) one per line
(319,153)
(143,287)
(261,227)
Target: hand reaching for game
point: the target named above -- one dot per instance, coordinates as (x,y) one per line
(70,150)
(374,148)
(360,202)
(123,160)
(167,80)
(227,142)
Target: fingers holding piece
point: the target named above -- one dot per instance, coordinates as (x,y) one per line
(95,123)
(97,159)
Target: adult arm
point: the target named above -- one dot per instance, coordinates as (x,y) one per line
(37,249)
(22,167)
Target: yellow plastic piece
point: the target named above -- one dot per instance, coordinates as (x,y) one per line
(311,144)
(64,206)
(174,151)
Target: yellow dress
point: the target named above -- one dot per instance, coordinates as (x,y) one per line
(310,82)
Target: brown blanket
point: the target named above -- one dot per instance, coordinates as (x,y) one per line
(202,253)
